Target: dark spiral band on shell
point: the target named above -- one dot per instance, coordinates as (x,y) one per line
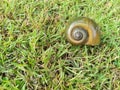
(79,34)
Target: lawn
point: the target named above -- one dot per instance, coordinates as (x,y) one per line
(34,52)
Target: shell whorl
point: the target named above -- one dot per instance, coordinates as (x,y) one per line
(79,34)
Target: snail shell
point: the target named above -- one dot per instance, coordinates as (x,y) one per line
(83,31)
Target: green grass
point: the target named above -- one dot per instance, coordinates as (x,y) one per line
(34,54)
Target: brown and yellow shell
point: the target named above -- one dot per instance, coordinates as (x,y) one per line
(83,31)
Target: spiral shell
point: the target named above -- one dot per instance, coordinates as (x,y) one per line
(83,31)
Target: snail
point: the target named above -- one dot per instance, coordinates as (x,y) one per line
(83,31)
